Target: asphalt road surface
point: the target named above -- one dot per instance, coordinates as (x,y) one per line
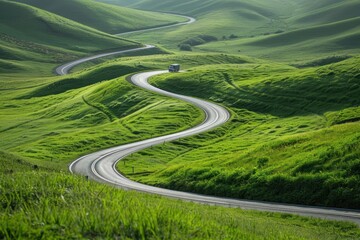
(100,166)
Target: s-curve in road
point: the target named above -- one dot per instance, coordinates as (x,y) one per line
(100,166)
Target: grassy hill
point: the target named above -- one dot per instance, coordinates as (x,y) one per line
(216,18)
(29,35)
(263,28)
(65,117)
(337,38)
(41,36)
(329,11)
(294,136)
(45,28)
(104,17)
(199,8)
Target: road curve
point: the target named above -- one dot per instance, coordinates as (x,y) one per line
(100,166)
(189,21)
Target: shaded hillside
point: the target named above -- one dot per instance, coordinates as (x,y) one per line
(104,17)
(338,38)
(41,27)
(315,13)
(29,34)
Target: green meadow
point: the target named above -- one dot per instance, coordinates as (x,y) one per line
(293,137)
(104,17)
(287,31)
(288,72)
(42,203)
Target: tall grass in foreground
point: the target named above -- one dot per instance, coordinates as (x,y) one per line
(40,205)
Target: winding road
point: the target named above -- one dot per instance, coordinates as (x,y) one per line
(100,166)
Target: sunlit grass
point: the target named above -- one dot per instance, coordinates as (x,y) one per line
(282,143)
(39,204)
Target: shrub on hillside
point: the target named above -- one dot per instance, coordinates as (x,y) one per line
(198,40)
(185,47)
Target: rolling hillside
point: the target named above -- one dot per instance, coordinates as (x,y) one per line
(219,19)
(294,136)
(39,203)
(94,108)
(200,8)
(45,28)
(68,116)
(40,36)
(281,30)
(338,38)
(104,17)
(312,13)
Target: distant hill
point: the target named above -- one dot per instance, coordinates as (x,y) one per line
(335,38)
(200,7)
(315,13)
(283,30)
(104,17)
(220,19)
(332,32)
(29,33)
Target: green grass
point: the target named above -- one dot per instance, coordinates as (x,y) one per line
(335,38)
(322,12)
(288,31)
(282,144)
(293,136)
(54,120)
(45,28)
(215,18)
(198,8)
(104,17)
(36,203)
(56,129)
(38,41)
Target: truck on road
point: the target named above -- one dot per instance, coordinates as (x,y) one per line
(174,68)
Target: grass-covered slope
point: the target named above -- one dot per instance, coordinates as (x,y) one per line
(315,13)
(31,24)
(199,8)
(294,136)
(52,121)
(288,31)
(336,38)
(108,18)
(29,36)
(216,18)
(35,204)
